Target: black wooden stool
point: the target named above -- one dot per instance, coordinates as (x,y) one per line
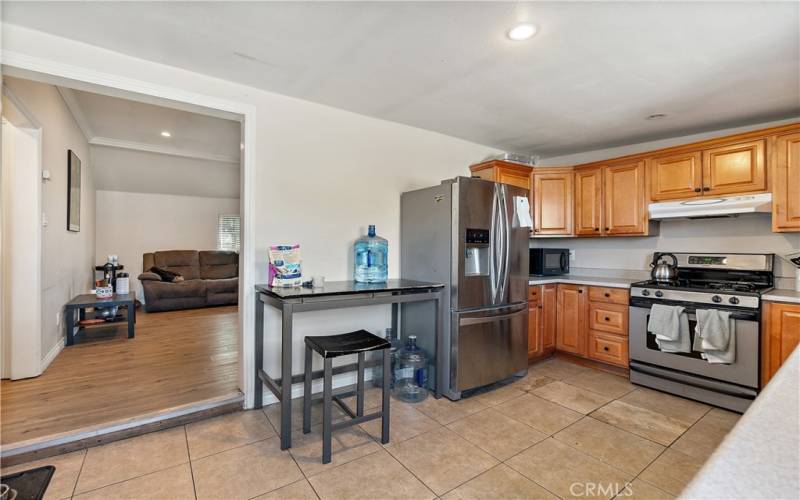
(329,347)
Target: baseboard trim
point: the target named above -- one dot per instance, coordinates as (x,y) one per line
(51,355)
(56,444)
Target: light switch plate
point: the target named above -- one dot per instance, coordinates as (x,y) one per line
(572,255)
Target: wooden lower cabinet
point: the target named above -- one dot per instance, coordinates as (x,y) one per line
(610,318)
(535,347)
(549,303)
(780,336)
(608,347)
(571,314)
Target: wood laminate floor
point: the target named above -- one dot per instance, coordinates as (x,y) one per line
(176,358)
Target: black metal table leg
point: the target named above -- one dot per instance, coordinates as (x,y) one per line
(286,376)
(131,319)
(69,321)
(258,339)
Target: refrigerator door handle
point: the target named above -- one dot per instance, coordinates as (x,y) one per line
(506,254)
(489,319)
(493,248)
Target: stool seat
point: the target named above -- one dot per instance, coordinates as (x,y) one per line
(331,346)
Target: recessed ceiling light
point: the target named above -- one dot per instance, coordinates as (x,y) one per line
(522,31)
(656,116)
(165,133)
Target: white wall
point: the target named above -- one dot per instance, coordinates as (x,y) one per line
(747,234)
(131,224)
(67,257)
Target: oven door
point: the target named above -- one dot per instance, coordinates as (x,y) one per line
(743,371)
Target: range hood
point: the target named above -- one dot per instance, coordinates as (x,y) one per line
(702,208)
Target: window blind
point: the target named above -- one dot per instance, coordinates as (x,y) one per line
(228,233)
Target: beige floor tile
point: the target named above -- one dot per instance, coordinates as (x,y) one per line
(405,422)
(539,413)
(572,397)
(377,476)
(683,410)
(213,435)
(445,411)
(567,472)
(498,395)
(500,436)
(301,490)
(244,472)
(174,483)
(557,368)
(532,381)
(372,398)
(603,383)
(501,482)
(442,459)
(640,421)
(704,437)
(672,471)
(346,445)
(64,478)
(642,490)
(129,458)
(618,448)
(273,413)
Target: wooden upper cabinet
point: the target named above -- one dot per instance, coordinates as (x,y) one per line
(552,202)
(780,337)
(676,176)
(786,184)
(589,201)
(504,172)
(625,199)
(735,168)
(572,312)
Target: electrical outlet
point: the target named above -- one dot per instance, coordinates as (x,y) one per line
(58,319)
(572,255)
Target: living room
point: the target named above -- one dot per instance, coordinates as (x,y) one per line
(139,198)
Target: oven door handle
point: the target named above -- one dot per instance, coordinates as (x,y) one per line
(692,311)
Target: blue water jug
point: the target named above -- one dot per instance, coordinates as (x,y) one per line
(371,263)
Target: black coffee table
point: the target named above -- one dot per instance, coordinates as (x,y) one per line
(81,302)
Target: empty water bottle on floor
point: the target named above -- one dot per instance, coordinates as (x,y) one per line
(411,373)
(377,371)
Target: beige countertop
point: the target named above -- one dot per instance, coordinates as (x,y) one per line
(583,280)
(782,295)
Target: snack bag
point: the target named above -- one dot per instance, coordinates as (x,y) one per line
(284,266)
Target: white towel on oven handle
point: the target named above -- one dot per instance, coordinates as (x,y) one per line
(715,336)
(683,342)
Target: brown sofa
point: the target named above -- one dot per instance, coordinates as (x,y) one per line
(211,278)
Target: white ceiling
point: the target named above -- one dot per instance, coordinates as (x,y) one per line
(200,158)
(586,81)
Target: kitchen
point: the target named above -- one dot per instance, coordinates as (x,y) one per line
(555,408)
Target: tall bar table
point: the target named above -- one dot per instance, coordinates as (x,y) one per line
(334,295)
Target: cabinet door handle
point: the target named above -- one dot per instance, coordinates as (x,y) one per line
(597,229)
(607,294)
(607,318)
(606,229)
(605,348)
(697,190)
(580,291)
(706,189)
(539,306)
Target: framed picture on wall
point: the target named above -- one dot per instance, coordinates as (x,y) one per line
(73,191)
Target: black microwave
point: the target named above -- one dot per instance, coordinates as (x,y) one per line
(549,261)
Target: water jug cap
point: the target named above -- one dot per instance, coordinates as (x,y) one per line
(371,230)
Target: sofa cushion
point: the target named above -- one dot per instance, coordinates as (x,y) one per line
(184,262)
(222,286)
(218,264)
(163,290)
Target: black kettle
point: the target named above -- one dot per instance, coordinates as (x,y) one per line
(662,271)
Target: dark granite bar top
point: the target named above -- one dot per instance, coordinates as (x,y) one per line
(347,288)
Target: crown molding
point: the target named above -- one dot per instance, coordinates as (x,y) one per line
(71,100)
(110,142)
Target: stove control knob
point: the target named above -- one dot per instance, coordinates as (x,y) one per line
(716,298)
(645,292)
(659,293)
(733,300)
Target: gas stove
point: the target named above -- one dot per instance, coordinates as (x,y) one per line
(727,282)
(733,280)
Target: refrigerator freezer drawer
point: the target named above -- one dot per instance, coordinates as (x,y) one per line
(489,346)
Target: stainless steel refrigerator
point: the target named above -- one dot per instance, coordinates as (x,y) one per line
(466,234)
